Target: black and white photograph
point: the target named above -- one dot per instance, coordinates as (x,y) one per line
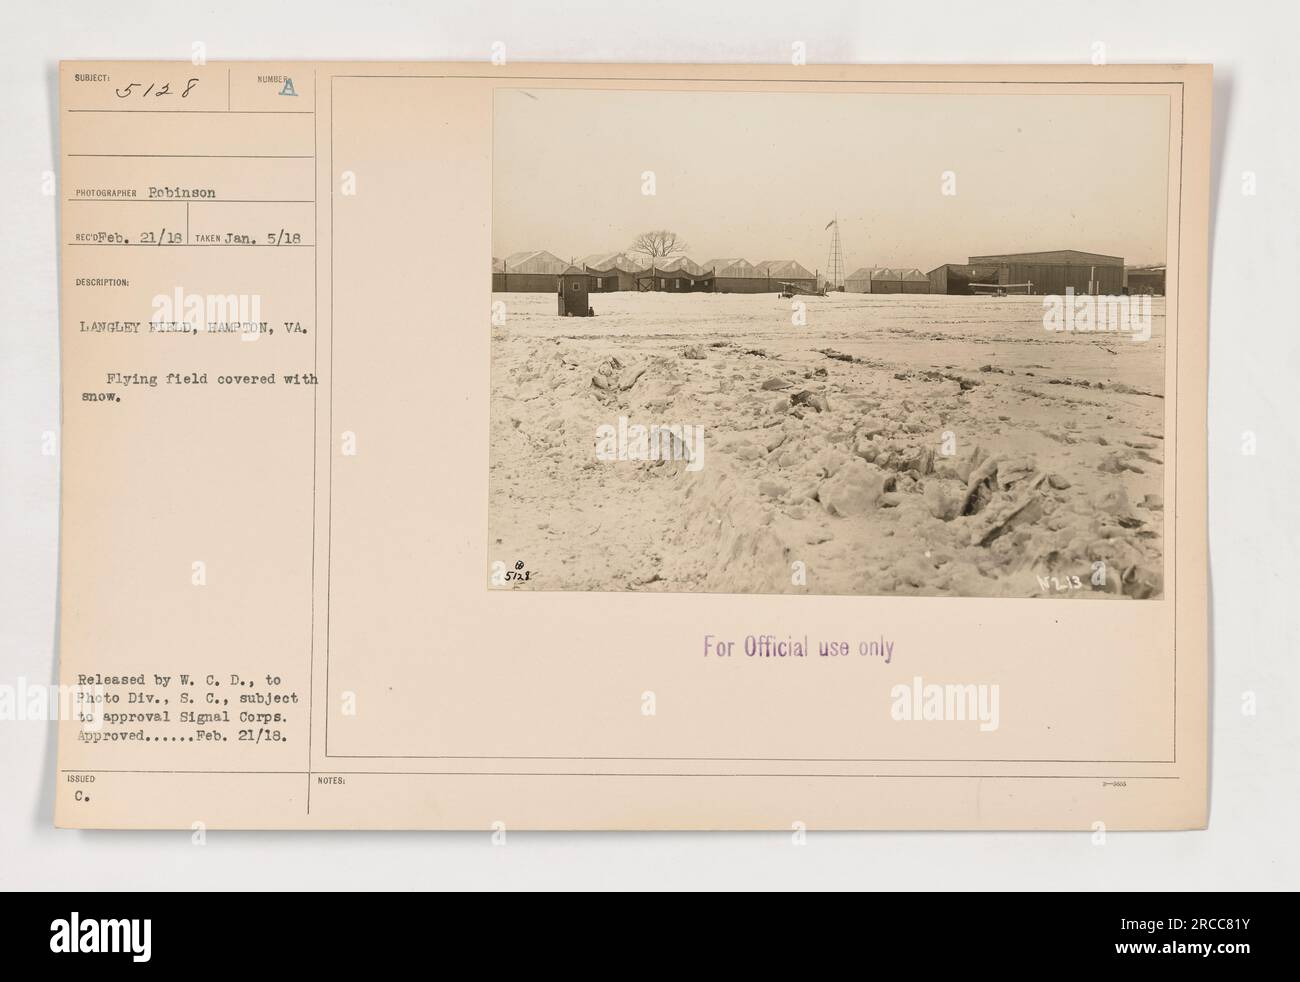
(867,344)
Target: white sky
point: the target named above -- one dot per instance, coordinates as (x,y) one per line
(759,175)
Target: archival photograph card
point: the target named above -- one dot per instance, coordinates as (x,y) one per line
(633,447)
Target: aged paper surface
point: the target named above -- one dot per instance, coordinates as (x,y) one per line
(857,531)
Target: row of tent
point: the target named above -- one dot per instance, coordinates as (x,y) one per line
(624,269)
(543,262)
(887,279)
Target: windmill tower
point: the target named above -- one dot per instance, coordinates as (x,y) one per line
(835,262)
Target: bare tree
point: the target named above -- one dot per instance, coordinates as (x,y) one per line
(659,244)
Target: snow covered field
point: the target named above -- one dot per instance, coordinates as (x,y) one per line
(944,446)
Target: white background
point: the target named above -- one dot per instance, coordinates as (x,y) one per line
(1254,499)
